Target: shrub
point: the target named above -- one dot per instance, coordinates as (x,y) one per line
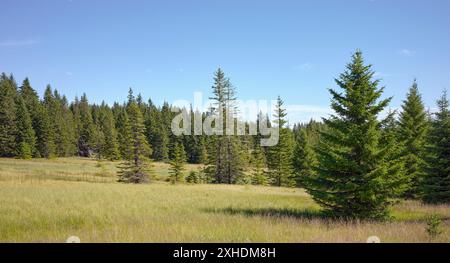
(434,226)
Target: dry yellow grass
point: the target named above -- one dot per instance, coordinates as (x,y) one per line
(49,210)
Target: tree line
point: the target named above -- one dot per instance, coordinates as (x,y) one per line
(355,163)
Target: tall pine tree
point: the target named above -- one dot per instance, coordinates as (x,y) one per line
(8,118)
(26,139)
(225,160)
(87,134)
(136,167)
(355,177)
(177,164)
(279,157)
(110,148)
(304,160)
(33,105)
(258,173)
(436,184)
(413,127)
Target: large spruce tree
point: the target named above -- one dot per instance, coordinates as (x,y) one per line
(135,169)
(355,176)
(279,157)
(157,133)
(123,133)
(436,184)
(33,105)
(225,160)
(413,127)
(177,164)
(26,138)
(258,162)
(87,134)
(304,160)
(67,128)
(8,118)
(110,148)
(46,134)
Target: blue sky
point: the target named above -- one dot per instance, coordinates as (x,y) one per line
(166,50)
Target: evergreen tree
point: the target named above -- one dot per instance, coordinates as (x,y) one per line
(110,148)
(26,139)
(436,184)
(225,160)
(67,128)
(61,120)
(202,157)
(395,148)
(177,164)
(412,133)
(46,134)
(169,139)
(196,143)
(87,134)
(304,160)
(97,137)
(8,118)
(33,105)
(355,176)
(193,178)
(123,127)
(279,157)
(135,169)
(258,175)
(75,109)
(157,133)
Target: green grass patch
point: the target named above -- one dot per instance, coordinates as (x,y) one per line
(52,209)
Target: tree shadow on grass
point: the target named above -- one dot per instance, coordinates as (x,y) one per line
(307,214)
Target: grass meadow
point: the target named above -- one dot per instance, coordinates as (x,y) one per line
(50,200)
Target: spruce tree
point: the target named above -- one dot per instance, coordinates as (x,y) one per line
(279,157)
(355,176)
(304,160)
(135,169)
(123,127)
(8,118)
(97,136)
(87,134)
(177,164)
(42,122)
(110,148)
(258,173)
(157,133)
(75,109)
(60,122)
(413,127)
(202,151)
(436,184)
(33,105)
(26,139)
(67,128)
(225,160)
(192,178)
(46,134)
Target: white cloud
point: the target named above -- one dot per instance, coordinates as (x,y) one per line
(407,52)
(18,43)
(69,74)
